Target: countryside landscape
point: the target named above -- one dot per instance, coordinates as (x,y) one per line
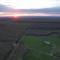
(29,29)
(30,38)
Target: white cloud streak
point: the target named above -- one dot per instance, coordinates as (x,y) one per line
(26,4)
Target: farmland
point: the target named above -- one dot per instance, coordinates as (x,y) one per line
(41,35)
(43,41)
(41,48)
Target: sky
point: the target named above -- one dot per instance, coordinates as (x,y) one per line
(30,4)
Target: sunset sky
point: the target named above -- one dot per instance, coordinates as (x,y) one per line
(29,4)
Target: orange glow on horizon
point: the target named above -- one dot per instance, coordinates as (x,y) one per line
(17,14)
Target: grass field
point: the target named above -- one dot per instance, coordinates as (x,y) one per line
(42,47)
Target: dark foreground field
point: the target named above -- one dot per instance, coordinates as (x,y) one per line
(41,35)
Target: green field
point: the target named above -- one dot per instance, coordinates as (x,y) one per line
(42,47)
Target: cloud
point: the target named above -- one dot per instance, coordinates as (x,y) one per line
(4,8)
(26,4)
